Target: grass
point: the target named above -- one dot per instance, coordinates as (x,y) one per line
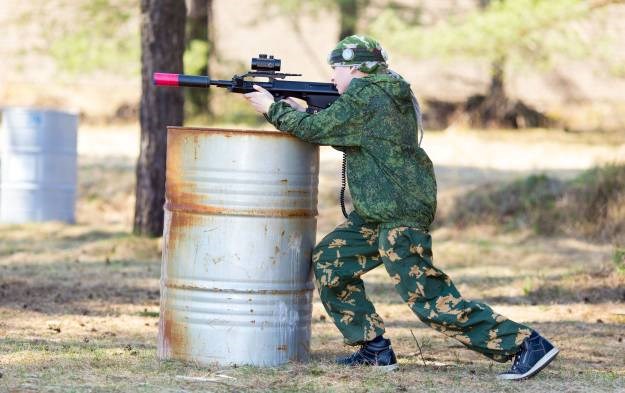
(619,259)
(591,204)
(79,307)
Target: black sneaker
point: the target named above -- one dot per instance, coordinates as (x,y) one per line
(378,354)
(535,354)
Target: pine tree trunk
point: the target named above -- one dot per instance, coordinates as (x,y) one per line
(349,14)
(162,46)
(199,27)
(496,110)
(495,106)
(348,17)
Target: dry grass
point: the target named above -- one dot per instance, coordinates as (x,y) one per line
(71,321)
(590,205)
(79,308)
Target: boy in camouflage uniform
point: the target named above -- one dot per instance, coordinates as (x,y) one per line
(376,122)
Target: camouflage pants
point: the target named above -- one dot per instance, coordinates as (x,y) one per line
(355,247)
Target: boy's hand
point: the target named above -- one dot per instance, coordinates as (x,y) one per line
(294,104)
(261,99)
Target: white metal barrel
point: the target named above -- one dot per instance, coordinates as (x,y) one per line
(38,178)
(240,223)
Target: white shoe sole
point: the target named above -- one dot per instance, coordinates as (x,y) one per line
(542,363)
(390,367)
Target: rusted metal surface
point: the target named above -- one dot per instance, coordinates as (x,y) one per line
(203,209)
(240,222)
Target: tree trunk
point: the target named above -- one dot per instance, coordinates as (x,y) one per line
(349,14)
(199,19)
(162,46)
(483,4)
(348,17)
(489,111)
(495,105)
(199,28)
(497,110)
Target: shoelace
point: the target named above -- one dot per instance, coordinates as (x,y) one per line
(517,358)
(515,364)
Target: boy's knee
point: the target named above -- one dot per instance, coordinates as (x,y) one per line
(320,264)
(327,279)
(327,273)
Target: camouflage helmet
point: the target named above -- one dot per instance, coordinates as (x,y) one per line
(363,52)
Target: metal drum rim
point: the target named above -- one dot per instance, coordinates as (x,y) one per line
(228,131)
(42,110)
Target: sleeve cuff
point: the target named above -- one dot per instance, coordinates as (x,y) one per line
(274,110)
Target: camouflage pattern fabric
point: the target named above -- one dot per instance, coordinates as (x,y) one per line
(393,189)
(391,179)
(363,63)
(355,247)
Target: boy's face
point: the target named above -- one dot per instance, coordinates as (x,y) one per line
(342,76)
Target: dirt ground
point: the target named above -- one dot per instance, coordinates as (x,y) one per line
(79,303)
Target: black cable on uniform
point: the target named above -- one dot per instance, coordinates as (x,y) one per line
(343,184)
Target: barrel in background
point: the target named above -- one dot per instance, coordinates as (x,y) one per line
(38,178)
(240,223)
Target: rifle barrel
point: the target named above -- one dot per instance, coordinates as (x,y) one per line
(165,79)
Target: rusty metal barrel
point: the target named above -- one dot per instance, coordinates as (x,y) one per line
(240,224)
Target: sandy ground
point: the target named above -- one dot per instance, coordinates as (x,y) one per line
(460,157)
(79,311)
(79,303)
(538,150)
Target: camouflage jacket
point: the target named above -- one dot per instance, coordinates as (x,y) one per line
(391,179)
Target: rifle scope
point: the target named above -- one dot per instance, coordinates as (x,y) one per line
(264,63)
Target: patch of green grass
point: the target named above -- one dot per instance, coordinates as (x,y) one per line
(589,205)
(619,259)
(316,370)
(526,202)
(528,286)
(485,245)
(146,313)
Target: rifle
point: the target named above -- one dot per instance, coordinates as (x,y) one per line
(318,95)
